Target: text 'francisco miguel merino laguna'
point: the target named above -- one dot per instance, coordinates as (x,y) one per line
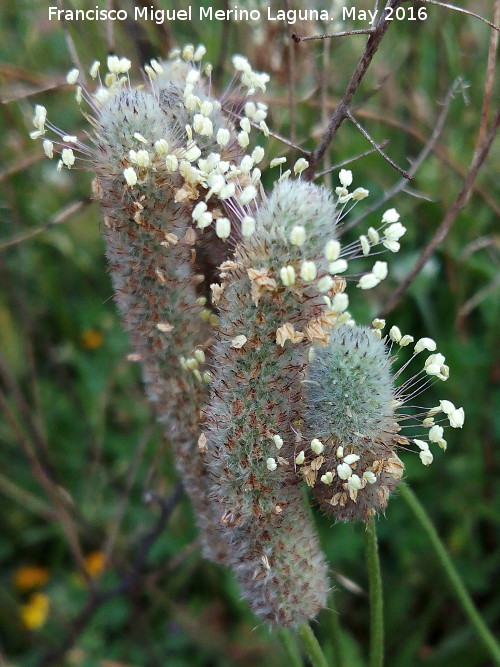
(190,13)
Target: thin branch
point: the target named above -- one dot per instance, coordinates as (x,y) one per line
(128,583)
(53,493)
(448,219)
(476,299)
(63,216)
(291,83)
(489,79)
(422,156)
(70,43)
(110,29)
(340,113)
(344,33)
(446,5)
(361,129)
(352,159)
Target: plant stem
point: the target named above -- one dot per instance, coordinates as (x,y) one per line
(312,646)
(476,620)
(376,596)
(335,633)
(288,640)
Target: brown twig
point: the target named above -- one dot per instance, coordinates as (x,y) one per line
(489,79)
(448,219)
(429,146)
(446,5)
(362,130)
(291,84)
(70,43)
(129,581)
(344,33)
(352,159)
(66,214)
(343,107)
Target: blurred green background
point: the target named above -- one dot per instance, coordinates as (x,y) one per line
(74,400)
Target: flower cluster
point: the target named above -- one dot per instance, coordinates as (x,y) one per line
(237,309)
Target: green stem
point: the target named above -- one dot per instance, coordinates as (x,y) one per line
(482,631)
(335,633)
(312,646)
(376,596)
(290,645)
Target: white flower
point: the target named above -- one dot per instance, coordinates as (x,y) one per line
(199,53)
(275,162)
(161,147)
(245,125)
(192,76)
(223,137)
(298,235)
(373,235)
(378,323)
(351,458)
(338,266)
(287,275)
(243,139)
(223,228)
(370,477)
(406,340)
(317,446)
(249,193)
(48,148)
(395,231)
(68,158)
(332,250)
(360,193)
(365,244)
(345,177)
(368,281)
(247,226)
(299,460)
(193,153)
(94,69)
(447,407)
(344,470)
(258,154)
(395,334)
(156,66)
(188,52)
(171,162)
(142,159)
(140,138)
(379,270)
(391,245)
(325,284)
(390,215)
(457,418)
(200,355)
(40,117)
(271,464)
(72,76)
(130,176)
(246,164)
(238,342)
(436,433)
(340,303)
(421,444)
(424,344)
(327,478)
(354,482)
(426,457)
(227,191)
(200,208)
(300,166)
(278,441)
(308,271)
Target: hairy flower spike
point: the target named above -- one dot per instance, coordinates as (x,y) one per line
(349,406)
